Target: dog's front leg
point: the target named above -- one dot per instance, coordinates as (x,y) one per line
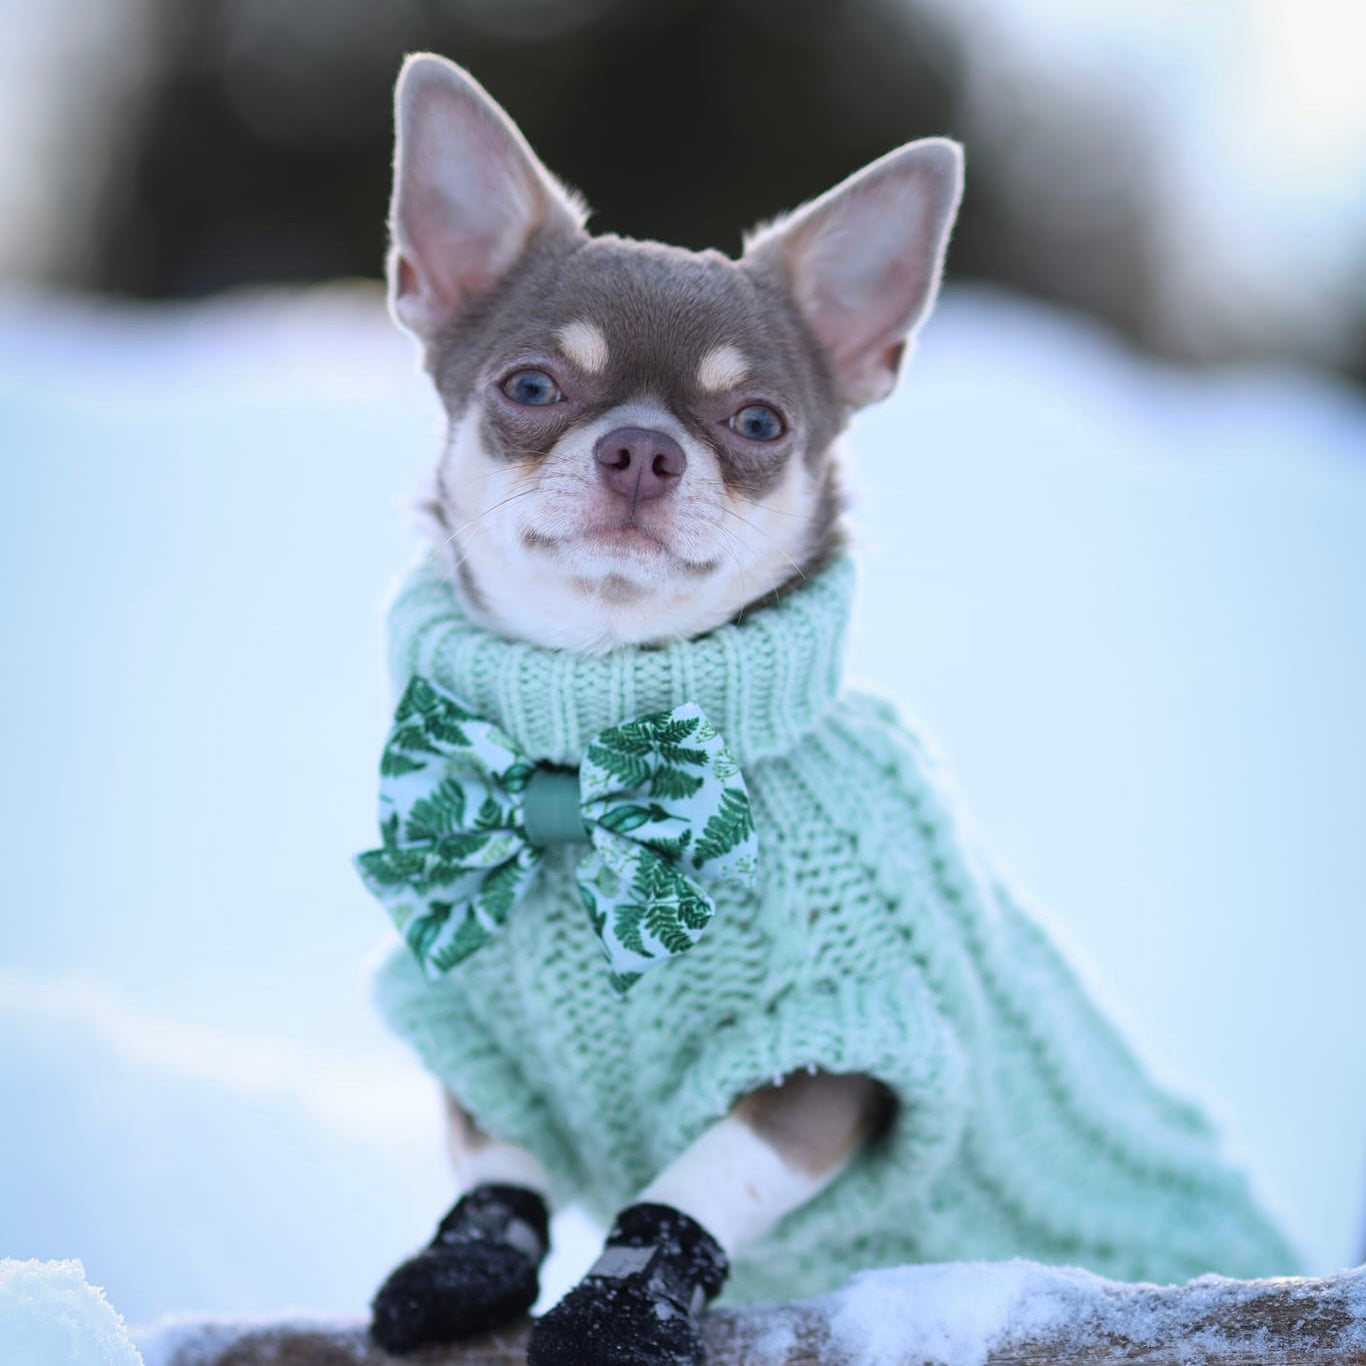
(479,1159)
(668,1254)
(481,1269)
(772,1153)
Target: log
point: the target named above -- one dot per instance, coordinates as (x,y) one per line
(956,1314)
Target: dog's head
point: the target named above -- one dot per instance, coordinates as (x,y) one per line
(641,437)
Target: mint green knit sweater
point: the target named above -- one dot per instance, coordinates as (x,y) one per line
(877,940)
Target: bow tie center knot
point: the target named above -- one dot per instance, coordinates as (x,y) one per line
(551,812)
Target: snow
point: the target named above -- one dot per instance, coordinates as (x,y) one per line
(960,1312)
(775,1343)
(957,1313)
(51,1316)
(188,1341)
(953,1314)
(1126,600)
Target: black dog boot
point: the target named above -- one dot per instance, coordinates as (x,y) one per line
(478,1272)
(640,1302)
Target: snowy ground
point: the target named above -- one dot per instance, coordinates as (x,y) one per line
(50,1316)
(1129,602)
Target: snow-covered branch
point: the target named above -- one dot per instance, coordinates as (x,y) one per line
(959,1314)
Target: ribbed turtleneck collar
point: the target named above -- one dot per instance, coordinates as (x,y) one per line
(764,681)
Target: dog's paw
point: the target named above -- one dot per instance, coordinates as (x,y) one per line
(640,1303)
(480,1271)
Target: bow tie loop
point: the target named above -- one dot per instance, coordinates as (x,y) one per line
(465,818)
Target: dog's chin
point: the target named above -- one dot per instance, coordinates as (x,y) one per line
(602,588)
(626,545)
(618,550)
(574,579)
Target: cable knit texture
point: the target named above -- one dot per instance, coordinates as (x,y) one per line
(876,940)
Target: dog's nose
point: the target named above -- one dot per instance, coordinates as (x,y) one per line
(639,463)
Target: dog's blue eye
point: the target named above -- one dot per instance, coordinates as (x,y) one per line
(532,387)
(758,422)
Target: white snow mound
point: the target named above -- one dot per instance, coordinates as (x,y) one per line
(50,1315)
(958,1313)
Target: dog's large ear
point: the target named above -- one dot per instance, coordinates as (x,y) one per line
(863,261)
(469,194)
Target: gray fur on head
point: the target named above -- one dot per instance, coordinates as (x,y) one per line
(569,523)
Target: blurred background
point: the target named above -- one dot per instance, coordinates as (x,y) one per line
(1113,530)
(1193,174)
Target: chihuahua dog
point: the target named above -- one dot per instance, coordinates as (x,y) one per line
(641,464)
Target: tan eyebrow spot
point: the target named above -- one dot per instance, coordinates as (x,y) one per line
(723,367)
(584,345)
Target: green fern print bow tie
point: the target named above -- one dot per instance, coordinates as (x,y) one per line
(466,817)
